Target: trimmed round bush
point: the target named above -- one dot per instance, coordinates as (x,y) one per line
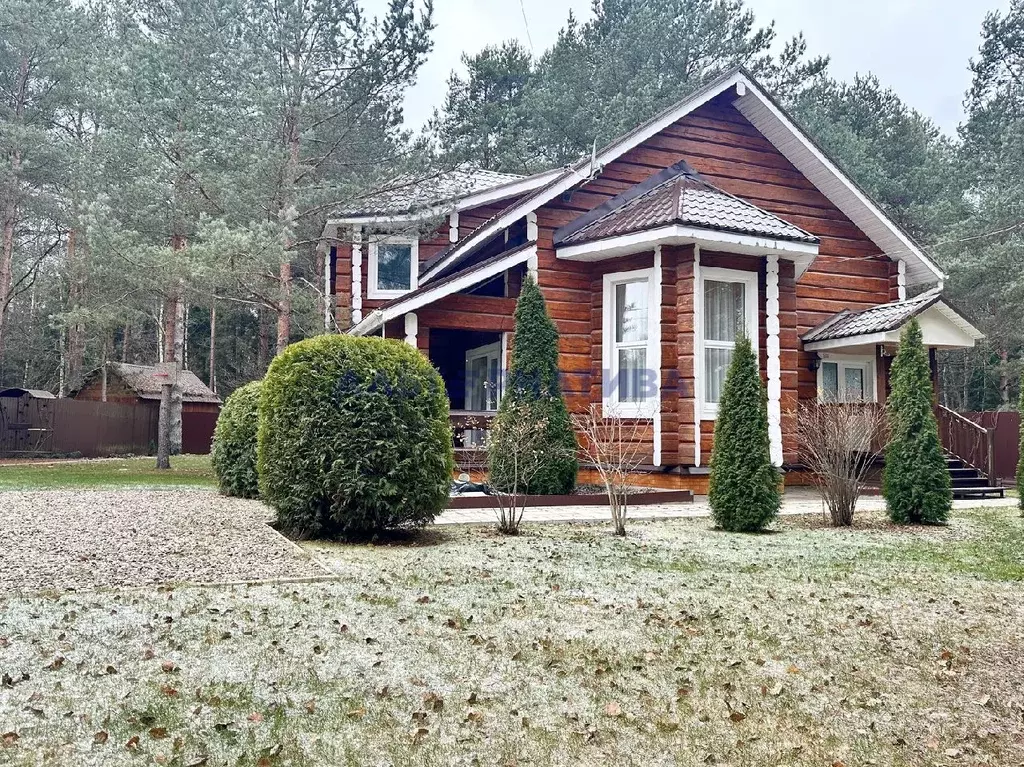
(234,443)
(354,437)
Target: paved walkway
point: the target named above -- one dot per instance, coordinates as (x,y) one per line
(795,501)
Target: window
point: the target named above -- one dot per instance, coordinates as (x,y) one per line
(392,268)
(729,301)
(630,344)
(846,379)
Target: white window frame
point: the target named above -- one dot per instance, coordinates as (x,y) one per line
(865,363)
(612,408)
(372,291)
(752,303)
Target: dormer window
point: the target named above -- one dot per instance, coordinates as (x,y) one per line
(393,267)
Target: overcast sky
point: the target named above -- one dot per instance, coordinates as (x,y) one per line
(919,48)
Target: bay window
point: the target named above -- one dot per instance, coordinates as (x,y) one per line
(392,267)
(729,299)
(630,338)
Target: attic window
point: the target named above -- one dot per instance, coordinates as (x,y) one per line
(393,267)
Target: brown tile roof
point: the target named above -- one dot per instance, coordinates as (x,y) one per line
(677,195)
(877,319)
(143,380)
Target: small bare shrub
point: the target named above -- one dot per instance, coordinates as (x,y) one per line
(526,452)
(838,444)
(615,447)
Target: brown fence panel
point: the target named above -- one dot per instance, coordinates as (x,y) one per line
(197,432)
(97,429)
(1005,425)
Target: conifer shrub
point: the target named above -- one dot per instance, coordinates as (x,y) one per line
(354,437)
(233,454)
(744,490)
(533,394)
(1020,463)
(916,482)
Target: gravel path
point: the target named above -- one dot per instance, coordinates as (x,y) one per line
(64,539)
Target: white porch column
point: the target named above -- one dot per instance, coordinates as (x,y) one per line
(411,328)
(901,279)
(357,274)
(774,360)
(656,362)
(698,362)
(531,226)
(453,226)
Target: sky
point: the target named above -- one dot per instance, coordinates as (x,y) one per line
(919,48)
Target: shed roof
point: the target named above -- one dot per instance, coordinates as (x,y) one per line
(15,391)
(877,319)
(677,195)
(145,381)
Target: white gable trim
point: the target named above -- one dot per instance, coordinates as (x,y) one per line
(757,107)
(798,148)
(379,317)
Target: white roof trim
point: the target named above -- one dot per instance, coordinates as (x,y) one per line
(798,148)
(801,253)
(948,313)
(757,107)
(429,295)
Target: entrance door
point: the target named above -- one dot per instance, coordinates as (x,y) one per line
(483,385)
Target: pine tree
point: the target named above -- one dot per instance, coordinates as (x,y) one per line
(916,483)
(744,492)
(1020,463)
(533,391)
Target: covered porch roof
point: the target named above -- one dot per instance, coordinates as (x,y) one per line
(942,326)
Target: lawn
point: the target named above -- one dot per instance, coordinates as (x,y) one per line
(678,645)
(186,470)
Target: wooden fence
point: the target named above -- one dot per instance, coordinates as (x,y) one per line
(90,429)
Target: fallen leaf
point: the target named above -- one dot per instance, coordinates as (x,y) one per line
(310,706)
(10,738)
(419,734)
(133,743)
(613,709)
(169,666)
(100,737)
(433,701)
(423,599)
(737,716)
(356,713)
(158,733)
(255,716)
(474,716)
(169,691)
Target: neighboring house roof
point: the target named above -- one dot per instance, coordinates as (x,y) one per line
(768,117)
(677,195)
(15,391)
(145,382)
(886,318)
(436,194)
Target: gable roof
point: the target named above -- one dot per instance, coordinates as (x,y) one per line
(144,381)
(677,195)
(886,318)
(420,197)
(769,118)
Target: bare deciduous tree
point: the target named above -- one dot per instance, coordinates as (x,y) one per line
(838,444)
(615,446)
